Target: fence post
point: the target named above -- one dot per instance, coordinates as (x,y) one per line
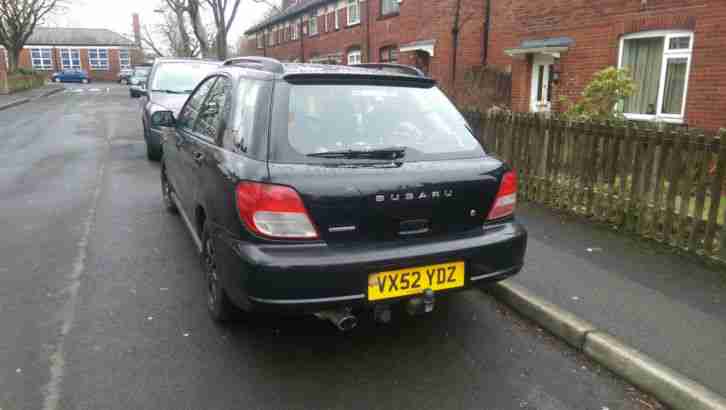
(674,176)
(716,186)
(702,168)
(660,159)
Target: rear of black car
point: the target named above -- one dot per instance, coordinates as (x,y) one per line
(377,192)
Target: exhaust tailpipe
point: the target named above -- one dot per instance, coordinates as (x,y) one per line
(340,318)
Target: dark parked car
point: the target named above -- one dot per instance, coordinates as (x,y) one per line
(125,75)
(169,84)
(137,81)
(333,190)
(73,76)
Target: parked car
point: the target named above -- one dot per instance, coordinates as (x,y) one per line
(137,81)
(335,190)
(125,75)
(74,76)
(169,84)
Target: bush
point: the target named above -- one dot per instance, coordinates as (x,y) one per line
(19,82)
(603,97)
(24,71)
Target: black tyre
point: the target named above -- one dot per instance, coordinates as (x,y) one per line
(153,154)
(166,191)
(219,306)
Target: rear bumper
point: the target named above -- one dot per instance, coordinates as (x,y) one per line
(308,278)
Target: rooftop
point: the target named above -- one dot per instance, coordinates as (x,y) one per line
(299,7)
(57,36)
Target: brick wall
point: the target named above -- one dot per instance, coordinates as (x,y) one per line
(417,20)
(597,26)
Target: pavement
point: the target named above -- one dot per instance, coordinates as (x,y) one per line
(102,302)
(15,99)
(669,306)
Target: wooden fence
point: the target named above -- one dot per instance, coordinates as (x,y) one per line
(667,185)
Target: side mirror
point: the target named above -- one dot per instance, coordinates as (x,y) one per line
(143,92)
(163,119)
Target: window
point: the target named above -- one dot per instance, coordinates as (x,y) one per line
(247,99)
(659,63)
(98,58)
(210,118)
(354,57)
(313,29)
(353,12)
(389,7)
(337,19)
(41,58)
(188,115)
(295,29)
(389,54)
(260,40)
(362,117)
(270,39)
(124,58)
(70,58)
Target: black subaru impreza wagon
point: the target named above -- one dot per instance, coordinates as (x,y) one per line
(335,190)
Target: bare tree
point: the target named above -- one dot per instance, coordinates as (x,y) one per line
(224,12)
(194,9)
(18,20)
(148,40)
(181,43)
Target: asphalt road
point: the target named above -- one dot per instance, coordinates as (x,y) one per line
(102,303)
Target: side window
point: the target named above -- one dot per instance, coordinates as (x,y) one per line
(210,117)
(248,98)
(188,115)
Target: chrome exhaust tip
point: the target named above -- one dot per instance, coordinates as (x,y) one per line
(342,319)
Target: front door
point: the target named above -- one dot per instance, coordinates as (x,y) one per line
(541,97)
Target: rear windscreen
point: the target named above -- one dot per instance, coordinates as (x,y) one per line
(327,118)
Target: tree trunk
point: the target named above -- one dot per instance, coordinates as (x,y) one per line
(186,48)
(221,45)
(14,58)
(199,30)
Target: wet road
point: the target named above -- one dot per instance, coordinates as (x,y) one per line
(102,303)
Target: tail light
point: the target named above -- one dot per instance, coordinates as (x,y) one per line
(274,211)
(506,199)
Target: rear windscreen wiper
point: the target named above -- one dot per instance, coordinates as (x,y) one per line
(382,153)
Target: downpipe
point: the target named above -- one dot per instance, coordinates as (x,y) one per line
(342,319)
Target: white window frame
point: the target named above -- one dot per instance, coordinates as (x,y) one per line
(124,62)
(97,63)
(667,35)
(355,57)
(353,4)
(70,52)
(337,17)
(313,23)
(260,40)
(294,31)
(42,66)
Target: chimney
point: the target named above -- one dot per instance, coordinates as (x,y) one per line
(137,29)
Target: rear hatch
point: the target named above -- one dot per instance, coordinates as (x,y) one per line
(380,160)
(406,201)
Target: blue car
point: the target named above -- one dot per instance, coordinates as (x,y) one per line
(75,76)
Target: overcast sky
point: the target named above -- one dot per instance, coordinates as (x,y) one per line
(116,15)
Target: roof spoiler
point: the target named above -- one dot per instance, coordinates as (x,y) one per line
(257,63)
(393,68)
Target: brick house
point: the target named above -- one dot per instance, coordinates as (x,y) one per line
(411,32)
(673,48)
(100,52)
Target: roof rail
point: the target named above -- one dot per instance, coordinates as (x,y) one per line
(258,63)
(393,68)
